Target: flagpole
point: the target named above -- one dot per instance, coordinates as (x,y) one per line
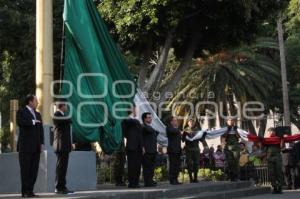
(44,57)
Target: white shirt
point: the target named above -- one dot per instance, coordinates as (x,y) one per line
(32,112)
(61,112)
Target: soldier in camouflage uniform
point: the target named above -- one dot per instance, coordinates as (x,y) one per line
(232,150)
(274,161)
(192,150)
(119,163)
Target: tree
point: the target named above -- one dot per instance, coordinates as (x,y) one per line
(187,26)
(17,50)
(238,75)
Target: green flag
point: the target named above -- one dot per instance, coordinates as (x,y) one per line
(97,78)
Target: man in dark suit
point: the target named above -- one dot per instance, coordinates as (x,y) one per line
(132,130)
(30,142)
(62,145)
(174,149)
(150,147)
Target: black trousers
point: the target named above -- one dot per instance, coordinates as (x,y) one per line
(148,167)
(289,173)
(174,166)
(61,170)
(29,166)
(134,159)
(119,166)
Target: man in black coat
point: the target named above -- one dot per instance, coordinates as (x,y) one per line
(132,130)
(30,142)
(150,148)
(174,150)
(62,145)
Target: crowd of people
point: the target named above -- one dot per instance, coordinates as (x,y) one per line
(232,157)
(139,148)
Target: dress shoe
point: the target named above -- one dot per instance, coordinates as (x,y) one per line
(151,185)
(63,191)
(134,186)
(29,195)
(120,184)
(34,195)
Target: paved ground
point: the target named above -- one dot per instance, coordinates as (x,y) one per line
(112,189)
(295,194)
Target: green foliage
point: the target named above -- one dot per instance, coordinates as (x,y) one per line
(204,174)
(245,73)
(104,174)
(220,23)
(161,173)
(293,22)
(211,175)
(133,19)
(132,61)
(5,137)
(17,50)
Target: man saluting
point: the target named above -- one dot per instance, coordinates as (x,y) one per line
(31,139)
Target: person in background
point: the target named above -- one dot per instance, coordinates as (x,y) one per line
(192,150)
(174,149)
(62,144)
(204,158)
(243,162)
(161,158)
(133,132)
(289,165)
(119,164)
(274,161)
(30,143)
(150,148)
(256,156)
(232,150)
(219,157)
(212,163)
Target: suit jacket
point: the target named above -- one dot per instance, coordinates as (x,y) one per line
(62,133)
(149,139)
(31,136)
(174,140)
(132,130)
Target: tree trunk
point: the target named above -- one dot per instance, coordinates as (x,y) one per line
(223,109)
(185,64)
(156,75)
(286,108)
(232,109)
(145,66)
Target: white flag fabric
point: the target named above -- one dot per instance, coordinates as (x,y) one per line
(143,106)
(212,134)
